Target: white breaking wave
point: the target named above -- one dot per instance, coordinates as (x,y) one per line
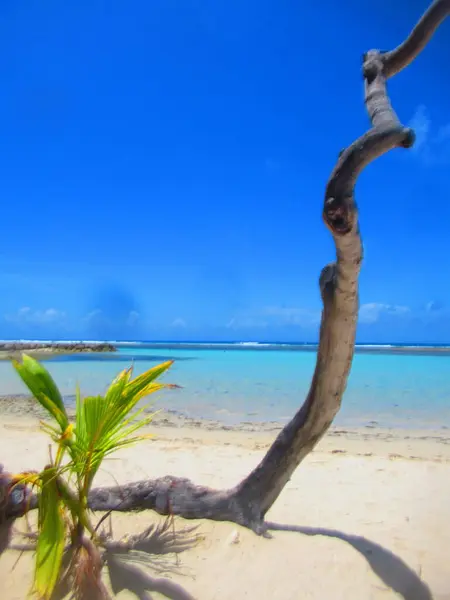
(253,344)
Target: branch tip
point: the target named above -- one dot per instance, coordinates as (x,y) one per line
(409,139)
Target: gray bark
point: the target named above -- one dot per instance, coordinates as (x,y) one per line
(248,502)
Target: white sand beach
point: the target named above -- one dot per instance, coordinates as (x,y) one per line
(365,516)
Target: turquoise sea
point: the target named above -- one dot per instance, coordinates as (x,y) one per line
(235,383)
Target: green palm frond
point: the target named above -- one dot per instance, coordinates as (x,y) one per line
(106,423)
(51,538)
(137,388)
(118,384)
(40,383)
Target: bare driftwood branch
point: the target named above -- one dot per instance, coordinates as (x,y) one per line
(403,55)
(248,502)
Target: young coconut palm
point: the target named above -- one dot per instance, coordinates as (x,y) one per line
(68,547)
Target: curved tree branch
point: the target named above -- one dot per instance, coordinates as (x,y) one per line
(399,58)
(248,502)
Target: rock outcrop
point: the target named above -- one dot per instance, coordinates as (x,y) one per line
(56,347)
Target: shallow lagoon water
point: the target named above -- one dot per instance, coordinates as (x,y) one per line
(234,384)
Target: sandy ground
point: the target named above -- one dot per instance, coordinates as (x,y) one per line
(365,516)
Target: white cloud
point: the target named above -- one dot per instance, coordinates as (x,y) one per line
(302,317)
(97,317)
(432,146)
(133,318)
(275,316)
(27,315)
(421,123)
(434,306)
(434,311)
(94,315)
(292,315)
(179,322)
(373,311)
(247,322)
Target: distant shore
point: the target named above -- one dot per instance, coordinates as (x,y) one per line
(18,408)
(420,349)
(70,347)
(10,350)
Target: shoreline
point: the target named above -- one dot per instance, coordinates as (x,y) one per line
(113,346)
(42,350)
(22,412)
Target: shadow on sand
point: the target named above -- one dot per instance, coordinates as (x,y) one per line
(5,535)
(129,570)
(389,567)
(132,570)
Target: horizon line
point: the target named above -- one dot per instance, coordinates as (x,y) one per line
(216,342)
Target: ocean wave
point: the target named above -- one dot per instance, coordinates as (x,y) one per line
(442,349)
(378,346)
(252,344)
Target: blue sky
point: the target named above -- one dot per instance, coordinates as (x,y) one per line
(163,164)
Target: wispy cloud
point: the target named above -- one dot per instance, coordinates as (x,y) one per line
(271,165)
(98,317)
(275,316)
(374,311)
(92,316)
(434,306)
(179,322)
(369,313)
(432,144)
(247,322)
(293,315)
(434,311)
(133,318)
(27,315)
(421,123)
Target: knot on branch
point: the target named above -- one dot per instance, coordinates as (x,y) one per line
(13,497)
(373,65)
(339,214)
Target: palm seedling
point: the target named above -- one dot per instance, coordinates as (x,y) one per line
(68,547)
